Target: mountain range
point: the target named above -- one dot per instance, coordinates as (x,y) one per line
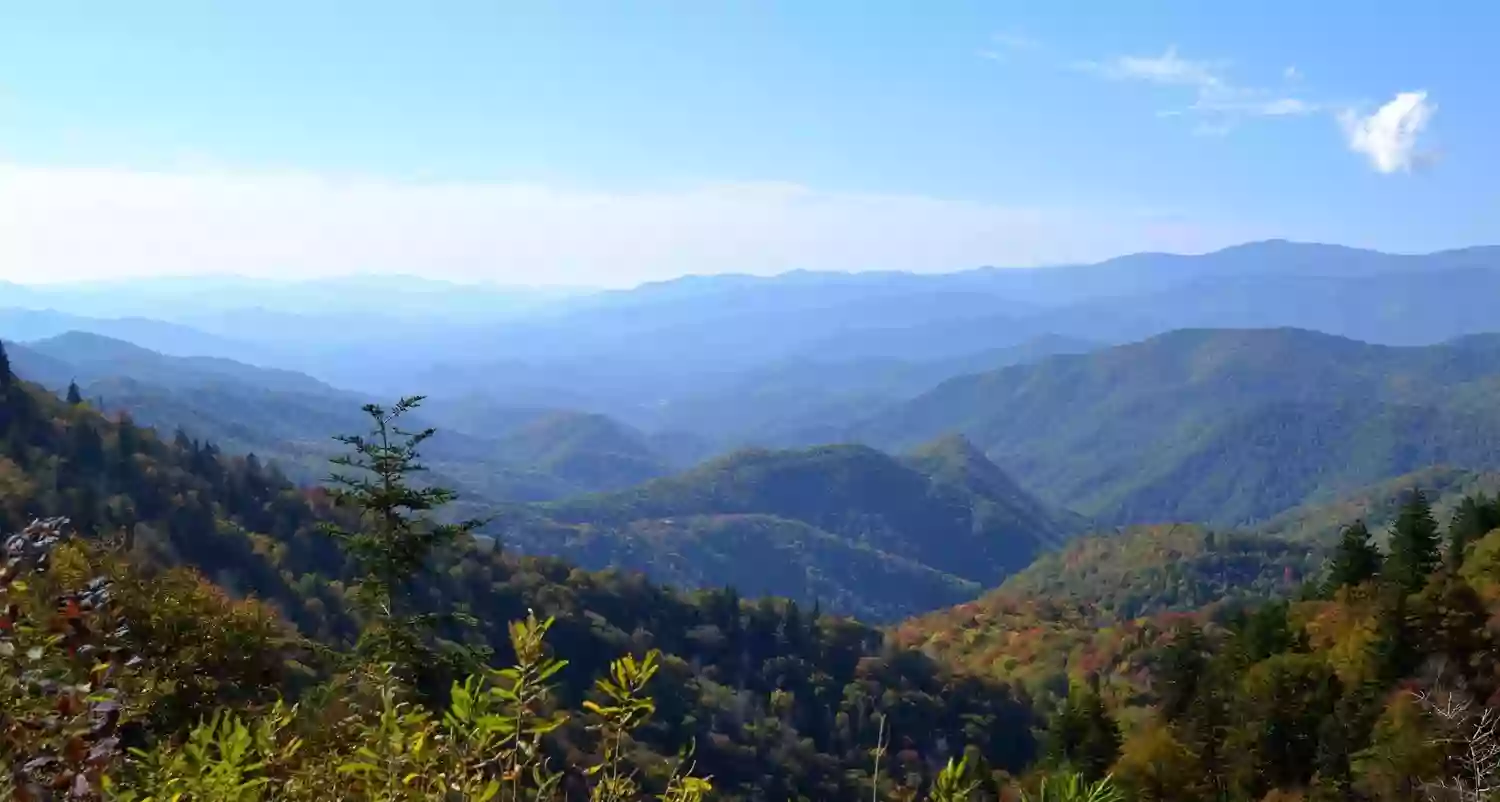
(1101,535)
(291,418)
(622,352)
(1226,427)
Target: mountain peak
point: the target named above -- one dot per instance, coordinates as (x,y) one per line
(78,344)
(952,447)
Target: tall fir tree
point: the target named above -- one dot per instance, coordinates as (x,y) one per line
(1355,559)
(1415,545)
(74,396)
(1179,670)
(1083,737)
(8,406)
(393,543)
(1475,517)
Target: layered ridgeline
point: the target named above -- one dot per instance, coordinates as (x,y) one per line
(782,402)
(779,703)
(846,527)
(939,525)
(1218,426)
(491,452)
(729,356)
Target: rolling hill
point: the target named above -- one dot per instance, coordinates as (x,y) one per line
(23,324)
(1225,427)
(814,525)
(1146,570)
(496,454)
(780,402)
(587,451)
(1319,524)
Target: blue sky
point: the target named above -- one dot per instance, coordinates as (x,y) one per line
(612,142)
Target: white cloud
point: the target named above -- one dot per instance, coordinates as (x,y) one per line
(1218,104)
(1168,68)
(1253,103)
(77,223)
(1389,136)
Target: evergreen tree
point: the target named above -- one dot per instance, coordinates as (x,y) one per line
(1179,670)
(1335,775)
(1393,649)
(1355,559)
(1474,518)
(1414,550)
(1266,631)
(1083,736)
(6,413)
(86,447)
(74,396)
(394,541)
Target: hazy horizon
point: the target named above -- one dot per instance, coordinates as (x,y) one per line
(582,289)
(610,146)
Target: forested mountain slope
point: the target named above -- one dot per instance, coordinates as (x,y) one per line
(788,402)
(1146,570)
(845,526)
(1218,426)
(1366,681)
(497,454)
(780,703)
(1319,524)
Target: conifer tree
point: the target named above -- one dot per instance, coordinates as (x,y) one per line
(1355,559)
(1335,775)
(1414,551)
(74,396)
(1267,631)
(1179,670)
(5,409)
(1474,518)
(1083,736)
(394,541)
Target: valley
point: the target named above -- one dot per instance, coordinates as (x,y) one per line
(984,510)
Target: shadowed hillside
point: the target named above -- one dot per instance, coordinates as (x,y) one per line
(813,525)
(1218,426)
